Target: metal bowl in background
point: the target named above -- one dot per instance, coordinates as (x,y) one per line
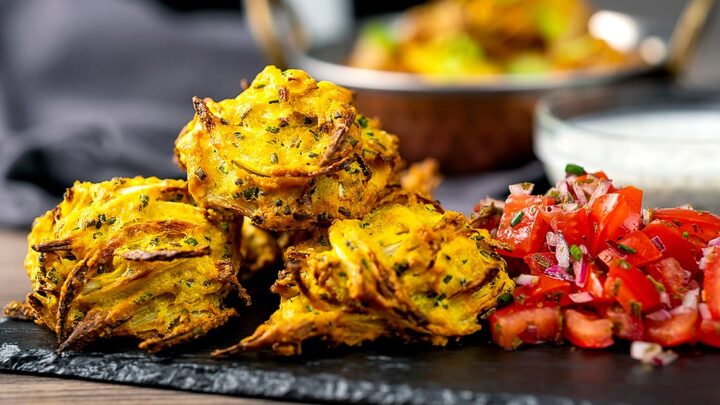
(471,125)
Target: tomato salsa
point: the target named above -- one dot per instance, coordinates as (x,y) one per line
(593,267)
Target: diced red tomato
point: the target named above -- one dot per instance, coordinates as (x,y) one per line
(595,284)
(673,277)
(709,332)
(547,289)
(573,225)
(671,243)
(632,289)
(538,262)
(680,329)
(702,224)
(711,281)
(516,324)
(636,248)
(520,226)
(587,330)
(613,216)
(625,326)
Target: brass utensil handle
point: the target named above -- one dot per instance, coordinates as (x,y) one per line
(260,16)
(687,33)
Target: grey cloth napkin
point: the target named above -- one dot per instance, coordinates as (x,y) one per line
(94,89)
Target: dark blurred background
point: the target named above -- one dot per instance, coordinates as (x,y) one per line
(92,89)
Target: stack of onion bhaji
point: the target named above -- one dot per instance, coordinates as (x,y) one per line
(287,174)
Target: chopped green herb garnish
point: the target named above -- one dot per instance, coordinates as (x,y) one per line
(191,241)
(363,121)
(200,173)
(144,199)
(346,212)
(686,235)
(447,279)
(571,168)
(224,121)
(251,193)
(517,218)
(352,141)
(312,155)
(624,264)
(272,129)
(273,101)
(635,309)
(576,253)
(505,299)
(260,85)
(626,248)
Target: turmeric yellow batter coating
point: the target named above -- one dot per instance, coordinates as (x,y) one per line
(406,270)
(130,257)
(288,153)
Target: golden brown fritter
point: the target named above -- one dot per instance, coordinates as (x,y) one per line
(422,178)
(130,257)
(259,249)
(288,153)
(406,270)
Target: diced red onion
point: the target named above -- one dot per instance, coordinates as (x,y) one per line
(521,188)
(704,311)
(557,272)
(651,353)
(584,249)
(693,285)
(600,191)
(658,243)
(664,358)
(562,188)
(665,298)
(526,280)
(569,207)
(644,351)
(686,206)
(581,297)
(551,239)
(690,301)
(714,242)
(562,252)
(579,194)
(580,268)
(659,315)
(706,252)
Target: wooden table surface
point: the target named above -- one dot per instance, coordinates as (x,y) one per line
(17,388)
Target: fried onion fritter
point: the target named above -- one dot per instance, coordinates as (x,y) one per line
(288,152)
(130,257)
(406,270)
(422,178)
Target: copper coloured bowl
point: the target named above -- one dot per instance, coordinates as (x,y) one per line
(470,125)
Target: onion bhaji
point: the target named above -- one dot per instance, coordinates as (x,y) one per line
(406,270)
(288,152)
(130,257)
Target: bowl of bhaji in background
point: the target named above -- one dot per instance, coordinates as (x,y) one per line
(459,79)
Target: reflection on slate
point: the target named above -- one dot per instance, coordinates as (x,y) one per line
(471,371)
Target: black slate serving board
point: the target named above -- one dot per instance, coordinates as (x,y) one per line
(471,371)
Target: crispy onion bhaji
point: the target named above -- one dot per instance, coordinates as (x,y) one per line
(288,152)
(407,270)
(130,257)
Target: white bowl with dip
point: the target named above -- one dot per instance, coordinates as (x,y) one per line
(664,141)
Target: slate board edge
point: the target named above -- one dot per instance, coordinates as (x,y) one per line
(245,381)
